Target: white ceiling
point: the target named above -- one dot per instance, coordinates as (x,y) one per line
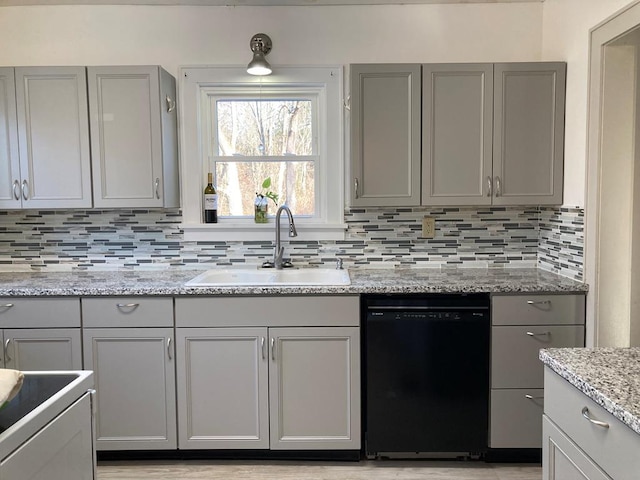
(245,2)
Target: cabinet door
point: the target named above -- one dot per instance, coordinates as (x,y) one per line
(10,195)
(222,388)
(314,385)
(53,136)
(62,450)
(126,136)
(43,349)
(135,384)
(563,460)
(515,418)
(528,139)
(457,116)
(385,135)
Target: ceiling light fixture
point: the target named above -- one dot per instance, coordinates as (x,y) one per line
(260,46)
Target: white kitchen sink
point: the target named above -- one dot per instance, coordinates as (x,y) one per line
(270,277)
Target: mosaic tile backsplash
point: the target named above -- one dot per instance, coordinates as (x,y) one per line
(550,238)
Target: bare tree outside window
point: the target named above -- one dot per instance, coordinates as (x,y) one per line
(260,138)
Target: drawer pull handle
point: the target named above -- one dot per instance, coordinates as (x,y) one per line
(132,306)
(169,348)
(6,305)
(273,349)
(585,414)
(7,358)
(262,344)
(539,302)
(540,334)
(531,397)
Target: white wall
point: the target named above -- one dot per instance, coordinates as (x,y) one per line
(174,36)
(566,25)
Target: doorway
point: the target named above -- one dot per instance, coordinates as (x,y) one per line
(613,186)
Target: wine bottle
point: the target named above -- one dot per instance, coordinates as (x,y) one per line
(210,201)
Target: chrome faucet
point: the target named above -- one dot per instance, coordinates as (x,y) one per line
(279,250)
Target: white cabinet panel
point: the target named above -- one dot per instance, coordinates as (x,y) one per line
(53,135)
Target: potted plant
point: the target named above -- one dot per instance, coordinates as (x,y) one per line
(262,201)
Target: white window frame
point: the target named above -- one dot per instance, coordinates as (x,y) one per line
(197,86)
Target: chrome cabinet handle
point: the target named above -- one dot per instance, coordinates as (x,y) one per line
(169,348)
(16,189)
(157,188)
(531,397)
(347,103)
(489,186)
(355,183)
(7,358)
(539,334)
(6,305)
(262,345)
(171,104)
(540,302)
(498,187)
(273,349)
(128,306)
(25,190)
(585,414)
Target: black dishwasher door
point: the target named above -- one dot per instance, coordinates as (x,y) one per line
(427,373)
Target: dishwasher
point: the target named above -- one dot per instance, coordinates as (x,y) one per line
(426,382)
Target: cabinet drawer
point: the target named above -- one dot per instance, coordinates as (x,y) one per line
(127,312)
(516,418)
(279,311)
(514,352)
(39,312)
(614,449)
(537,309)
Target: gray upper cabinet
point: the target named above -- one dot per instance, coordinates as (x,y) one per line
(385,135)
(133,136)
(528,133)
(10,195)
(457,134)
(53,138)
(491,134)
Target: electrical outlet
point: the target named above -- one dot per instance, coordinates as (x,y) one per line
(428,227)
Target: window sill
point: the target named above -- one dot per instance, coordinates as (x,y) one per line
(226,230)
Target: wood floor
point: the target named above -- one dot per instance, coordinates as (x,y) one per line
(317,470)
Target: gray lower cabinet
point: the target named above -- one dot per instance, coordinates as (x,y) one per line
(575,448)
(40,333)
(62,450)
(270,385)
(223,388)
(521,326)
(133,136)
(135,387)
(129,344)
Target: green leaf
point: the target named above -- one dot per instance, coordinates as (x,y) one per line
(266,183)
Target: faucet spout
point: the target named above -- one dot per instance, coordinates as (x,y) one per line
(279,249)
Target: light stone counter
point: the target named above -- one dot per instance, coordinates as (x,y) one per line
(609,376)
(171,281)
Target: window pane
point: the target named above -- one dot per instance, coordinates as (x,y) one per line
(238,183)
(264,127)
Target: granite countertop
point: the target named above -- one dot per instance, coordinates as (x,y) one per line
(609,376)
(170,281)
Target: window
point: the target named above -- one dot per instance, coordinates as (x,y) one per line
(243,129)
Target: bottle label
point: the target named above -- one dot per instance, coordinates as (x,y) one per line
(211,201)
